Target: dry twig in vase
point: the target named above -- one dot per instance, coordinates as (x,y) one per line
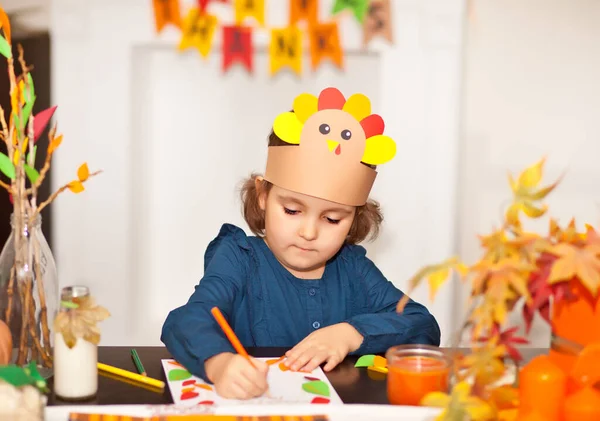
(20,134)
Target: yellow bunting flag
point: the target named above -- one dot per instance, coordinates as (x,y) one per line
(166,12)
(285,49)
(198,31)
(304,10)
(325,43)
(378,21)
(249,8)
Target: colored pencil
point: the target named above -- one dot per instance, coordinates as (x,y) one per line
(131,376)
(235,342)
(138,362)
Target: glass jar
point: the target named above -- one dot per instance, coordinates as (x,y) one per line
(29,293)
(414,371)
(76,367)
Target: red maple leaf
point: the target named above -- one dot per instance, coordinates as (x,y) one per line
(542,291)
(508,339)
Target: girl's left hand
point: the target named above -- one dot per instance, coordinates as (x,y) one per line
(331,344)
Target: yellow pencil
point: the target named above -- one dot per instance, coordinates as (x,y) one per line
(131,375)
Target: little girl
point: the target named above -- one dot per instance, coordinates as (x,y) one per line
(301,282)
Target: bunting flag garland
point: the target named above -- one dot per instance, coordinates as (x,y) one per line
(358,7)
(237,46)
(198,31)
(325,43)
(166,12)
(285,49)
(249,8)
(304,10)
(378,21)
(198,27)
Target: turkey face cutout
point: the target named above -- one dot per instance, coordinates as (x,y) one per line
(335,133)
(333,139)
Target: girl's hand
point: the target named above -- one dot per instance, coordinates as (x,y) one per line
(235,377)
(330,344)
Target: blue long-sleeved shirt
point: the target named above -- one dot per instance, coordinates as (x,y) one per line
(267,306)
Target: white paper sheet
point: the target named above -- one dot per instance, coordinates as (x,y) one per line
(354,412)
(285,387)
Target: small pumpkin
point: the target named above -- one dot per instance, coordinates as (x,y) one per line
(5,344)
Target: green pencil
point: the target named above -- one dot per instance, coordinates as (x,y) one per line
(138,362)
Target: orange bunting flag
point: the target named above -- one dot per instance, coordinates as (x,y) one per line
(249,8)
(378,21)
(304,10)
(325,43)
(285,49)
(198,31)
(237,46)
(166,12)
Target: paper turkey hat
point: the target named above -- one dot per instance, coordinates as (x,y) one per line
(330,141)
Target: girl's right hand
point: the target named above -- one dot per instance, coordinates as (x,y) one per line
(234,377)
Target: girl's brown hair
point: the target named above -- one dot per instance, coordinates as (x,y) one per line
(367,219)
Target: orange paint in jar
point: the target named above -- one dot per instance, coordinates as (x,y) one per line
(414,371)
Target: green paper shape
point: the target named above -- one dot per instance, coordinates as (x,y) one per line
(29,89)
(365,361)
(25,113)
(32,174)
(23,376)
(317,387)
(179,374)
(6,166)
(358,7)
(5,48)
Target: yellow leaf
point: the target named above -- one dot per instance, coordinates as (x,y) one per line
(436,280)
(83,172)
(512,214)
(16,156)
(55,144)
(76,186)
(532,176)
(531,211)
(462,269)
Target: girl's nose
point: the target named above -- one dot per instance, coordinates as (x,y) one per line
(308,230)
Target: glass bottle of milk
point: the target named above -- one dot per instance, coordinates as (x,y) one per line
(75,365)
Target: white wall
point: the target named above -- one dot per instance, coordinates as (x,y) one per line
(531,90)
(137,237)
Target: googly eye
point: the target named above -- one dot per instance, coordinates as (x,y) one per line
(346,134)
(324,128)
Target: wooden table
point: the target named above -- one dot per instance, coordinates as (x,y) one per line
(352,384)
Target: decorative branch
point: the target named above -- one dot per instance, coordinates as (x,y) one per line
(57,192)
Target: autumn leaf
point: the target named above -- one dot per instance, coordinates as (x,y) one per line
(436,276)
(504,397)
(580,262)
(542,291)
(80,321)
(459,405)
(83,172)
(76,186)
(485,363)
(508,339)
(526,193)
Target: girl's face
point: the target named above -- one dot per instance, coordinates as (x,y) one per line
(304,232)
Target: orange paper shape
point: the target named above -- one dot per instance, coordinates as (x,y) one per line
(583,405)
(5,25)
(198,32)
(249,8)
(237,47)
(325,44)
(166,12)
(304,10)
(586,370)
(378,21)
(285,49)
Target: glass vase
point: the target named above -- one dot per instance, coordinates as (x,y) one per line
(29,293)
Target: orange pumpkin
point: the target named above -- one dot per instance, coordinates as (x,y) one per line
(5,344)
